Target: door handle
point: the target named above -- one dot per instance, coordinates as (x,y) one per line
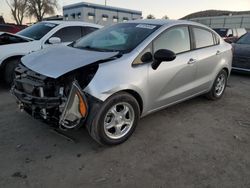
(191,61)
(218,52)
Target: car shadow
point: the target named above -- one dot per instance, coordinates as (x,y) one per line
(73,140)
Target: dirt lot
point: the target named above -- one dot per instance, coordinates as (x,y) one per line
(198,143)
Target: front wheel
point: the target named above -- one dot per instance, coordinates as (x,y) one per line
(219,86)
(116,120)
(9,71)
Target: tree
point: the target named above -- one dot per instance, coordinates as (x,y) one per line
(18,9)
(150,16)
(165,17)
(2,20)
(40,8)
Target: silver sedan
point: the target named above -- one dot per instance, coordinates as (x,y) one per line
(112,77)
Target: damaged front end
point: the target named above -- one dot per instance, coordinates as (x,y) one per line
(60,102)
(7,38)
(76,108)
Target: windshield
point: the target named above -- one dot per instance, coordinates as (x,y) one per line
(245,39)
(122,37)
(221,32)
(37,31)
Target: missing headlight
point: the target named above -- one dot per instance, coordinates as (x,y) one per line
(76,108)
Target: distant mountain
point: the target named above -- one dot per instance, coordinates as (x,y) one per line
(208,13)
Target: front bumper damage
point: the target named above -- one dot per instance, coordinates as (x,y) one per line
(43,101)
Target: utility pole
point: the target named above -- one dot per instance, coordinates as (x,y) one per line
(105,2)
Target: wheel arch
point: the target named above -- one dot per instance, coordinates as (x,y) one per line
(4,62)
(227,71)
(137,96)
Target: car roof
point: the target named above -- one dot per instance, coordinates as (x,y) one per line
(72,23)
(165,22)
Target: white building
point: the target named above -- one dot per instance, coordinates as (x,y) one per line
(99,14)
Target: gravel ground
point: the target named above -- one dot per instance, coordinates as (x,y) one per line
(198,143)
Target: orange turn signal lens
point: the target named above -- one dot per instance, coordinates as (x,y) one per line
(82,105)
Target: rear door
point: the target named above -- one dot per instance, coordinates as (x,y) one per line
(172,81)
(207,53)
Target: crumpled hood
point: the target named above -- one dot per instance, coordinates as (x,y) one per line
(241,49)
(57,61)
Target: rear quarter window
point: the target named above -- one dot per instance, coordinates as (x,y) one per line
(203,38)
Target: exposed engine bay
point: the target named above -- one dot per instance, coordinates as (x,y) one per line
(60,101)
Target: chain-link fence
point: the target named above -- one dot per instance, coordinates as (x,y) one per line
(237,21)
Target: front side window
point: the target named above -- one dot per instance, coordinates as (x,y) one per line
(176,40)
(69,34)
(203,38)
(122,37)
(38,30)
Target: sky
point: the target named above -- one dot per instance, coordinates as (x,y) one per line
(174,9)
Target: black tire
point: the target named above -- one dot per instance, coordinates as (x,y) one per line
(96,125)
(9,71)
(212,94)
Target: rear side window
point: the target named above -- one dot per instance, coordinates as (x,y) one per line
(203,38)
(176,40)
(88,30)
(69,34)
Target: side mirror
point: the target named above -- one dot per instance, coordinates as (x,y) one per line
(147,57)
(54,40)
(161,56)
(230,35)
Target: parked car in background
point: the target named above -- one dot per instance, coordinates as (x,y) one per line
(9,28)
(112,77)
(36,37)
(230,35)
(241,57)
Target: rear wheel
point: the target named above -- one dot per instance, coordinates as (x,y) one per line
(116,120)
(219,86)
(9,71)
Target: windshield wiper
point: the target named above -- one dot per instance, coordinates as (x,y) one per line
(97,49)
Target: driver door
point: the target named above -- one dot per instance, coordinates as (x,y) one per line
(173,81)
